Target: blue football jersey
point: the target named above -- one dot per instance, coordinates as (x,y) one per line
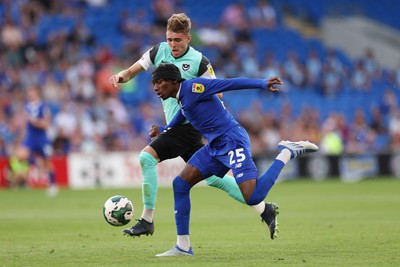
(35,137)
(202,107)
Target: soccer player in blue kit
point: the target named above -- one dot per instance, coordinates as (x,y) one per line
(38,119)
(228,143)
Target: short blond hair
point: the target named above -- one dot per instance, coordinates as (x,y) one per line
(179,23)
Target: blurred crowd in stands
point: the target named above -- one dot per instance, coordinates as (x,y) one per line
(73,65)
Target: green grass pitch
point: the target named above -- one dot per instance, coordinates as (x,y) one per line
(321,224)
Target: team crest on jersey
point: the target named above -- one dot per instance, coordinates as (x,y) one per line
(210,69)
(185,67)
(197,88)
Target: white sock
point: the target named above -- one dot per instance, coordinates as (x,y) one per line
(148,215)
(284,156)
(183,242)
(260,207)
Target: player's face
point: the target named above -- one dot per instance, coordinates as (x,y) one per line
(165,88)
(178,42)
(32,93)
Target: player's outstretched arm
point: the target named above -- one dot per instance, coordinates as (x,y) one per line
(126,75)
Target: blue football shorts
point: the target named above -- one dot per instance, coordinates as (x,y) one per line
(229,151)
(39,147)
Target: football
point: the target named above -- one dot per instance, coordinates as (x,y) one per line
(118,210)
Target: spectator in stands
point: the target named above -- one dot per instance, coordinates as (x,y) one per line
(250,65)
(395,76)
(360,79)
(343,127)
(362,137)
(370,64)
(294,70)
(263,15)
(388,103)
(331,82)
(270,134)
(394,130)
(65,122)
(378,122)
(234,15)
(11,35)
(135,25)
(12,38)
(286,120)
(252,120)
(61,144)
(82,35)
(220,37)
(331,142)
(5,133)
(269,66)
(162,10)
(313,70)
(333,74)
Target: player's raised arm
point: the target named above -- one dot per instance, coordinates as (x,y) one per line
(223,85)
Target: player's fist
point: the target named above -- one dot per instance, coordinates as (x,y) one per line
(115,79)
(154,131)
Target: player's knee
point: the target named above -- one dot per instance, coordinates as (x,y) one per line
(180,185)
(147,160)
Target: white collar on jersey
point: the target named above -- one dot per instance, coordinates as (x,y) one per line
(177,94)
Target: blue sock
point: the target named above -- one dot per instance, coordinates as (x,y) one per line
(265,182)
(182,205)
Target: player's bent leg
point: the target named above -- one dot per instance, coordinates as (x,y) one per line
(227,184)
(267,180)
(145,226)
(264,184)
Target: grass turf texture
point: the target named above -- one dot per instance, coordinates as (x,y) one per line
(322,224)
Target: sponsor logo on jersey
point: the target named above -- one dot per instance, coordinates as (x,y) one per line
(240,175)
(197,88)
(238,165)
(210,69)
(185,67)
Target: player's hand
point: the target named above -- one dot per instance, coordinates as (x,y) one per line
(115,79)
(273,81)
(154,131)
